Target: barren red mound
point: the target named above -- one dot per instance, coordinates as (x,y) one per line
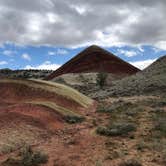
(95,59)
(48,103)
(32,111)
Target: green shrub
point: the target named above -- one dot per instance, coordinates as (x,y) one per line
(142,145)
(6,149)
(159,123)
(11,162)
(161,126)
(117,129)
(131,162)
(74,119)
(101,79)
(105,110)
(27,158)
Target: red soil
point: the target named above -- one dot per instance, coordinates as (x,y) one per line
(48,118)
(65,144)
(14,98)
(95,59)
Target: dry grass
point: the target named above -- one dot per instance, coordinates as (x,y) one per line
(66,91)
(61,110)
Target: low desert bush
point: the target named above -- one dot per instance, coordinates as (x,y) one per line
(101,79)
(6,149)
(159,123)
(74,119)
(131,162)
(104,109)
(155,102)
(142,145)
(160,126)
(116,129)
(121,107)
(27,158)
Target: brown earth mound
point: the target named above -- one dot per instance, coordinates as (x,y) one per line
(39,99)
(95,59)
(32,110)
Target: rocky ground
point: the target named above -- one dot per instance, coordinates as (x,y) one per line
(122,131)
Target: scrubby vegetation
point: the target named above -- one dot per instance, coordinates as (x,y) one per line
(122,119)
(74,119)
(149,81)
(27,157)
(159,122)
(40,74)
(116,129)
(131,162)
(101,79)
(126,108)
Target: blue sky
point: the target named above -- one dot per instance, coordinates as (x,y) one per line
(44,34)
(48,57)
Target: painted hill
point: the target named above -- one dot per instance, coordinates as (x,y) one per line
(62,99)
(151,80)
(93,60)
(30,110)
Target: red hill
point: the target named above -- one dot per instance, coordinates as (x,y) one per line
(95,59)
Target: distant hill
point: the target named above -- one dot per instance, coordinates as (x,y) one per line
(8,73)
(94,60)
(151,80)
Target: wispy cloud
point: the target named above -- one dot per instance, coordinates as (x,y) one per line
(3,62)
(9,52)
(26,56)
(59,51)
(62,51)
(143,64)
(47,65)
(127,53)
(52,53)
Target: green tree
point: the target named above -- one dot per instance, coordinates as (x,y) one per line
(101,79)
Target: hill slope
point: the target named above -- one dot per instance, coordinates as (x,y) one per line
(152,80)
(35,91)
(31,110)
(95,59)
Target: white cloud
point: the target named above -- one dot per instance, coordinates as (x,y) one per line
(156,50)
(47,65)
(3,63)
(9,52)
(127,53)
(143,64)
(53,18)
(161,45)
(59,51)
(62,51)
(141,49)
(80,9)
(51,53)
(26,57)
(79,22)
